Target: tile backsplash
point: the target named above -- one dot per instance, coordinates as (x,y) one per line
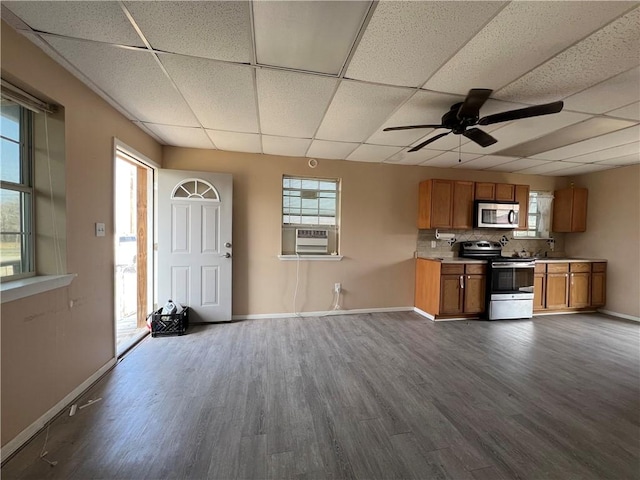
(443,249)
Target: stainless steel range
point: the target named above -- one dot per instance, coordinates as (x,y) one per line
(509,280)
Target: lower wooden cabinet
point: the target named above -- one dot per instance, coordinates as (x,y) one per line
(569,286)
(450,289)
(598,284)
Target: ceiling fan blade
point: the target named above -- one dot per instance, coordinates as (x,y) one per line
(470,108)
(526,112)
(411,127)
(427,142)
(481,138)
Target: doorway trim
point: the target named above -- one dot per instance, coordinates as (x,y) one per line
(151,240)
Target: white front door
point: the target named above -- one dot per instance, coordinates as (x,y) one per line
(194,242)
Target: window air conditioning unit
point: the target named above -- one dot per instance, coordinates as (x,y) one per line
(312,241)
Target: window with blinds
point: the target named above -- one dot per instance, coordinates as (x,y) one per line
(309,201)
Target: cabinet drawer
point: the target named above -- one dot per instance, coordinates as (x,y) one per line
(475,269)
(557,267)
(599,267)
(540,267)
(580,267)
(452,269)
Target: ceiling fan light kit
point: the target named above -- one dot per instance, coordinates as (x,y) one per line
(462,118)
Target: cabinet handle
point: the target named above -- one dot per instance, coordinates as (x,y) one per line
(461,281)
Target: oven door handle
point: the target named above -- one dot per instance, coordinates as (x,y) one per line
(513,265)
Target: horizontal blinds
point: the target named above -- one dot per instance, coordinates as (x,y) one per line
(19,96)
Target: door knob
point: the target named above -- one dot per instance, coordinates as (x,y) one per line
(226,255)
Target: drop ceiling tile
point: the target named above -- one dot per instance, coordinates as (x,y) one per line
(516,165)
(580,170)
(406,42)
(546,168)
(485,161)
(449,159)
(372,153)
(607,52)
(358,109)
(221,95)
(187,137)
(314,36)
(609,153)
(413,158)
(215,29)
(99,21)
(593,127)
(292,104)
(527,129)
(624,160)
(132,78)
(332,150)
(610,140)
(632,112)
(290,147)
(236,142)
(616,92)
(422,108)
(519,38)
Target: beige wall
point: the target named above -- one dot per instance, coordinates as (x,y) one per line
(613,233)
(378,229)
(48,349)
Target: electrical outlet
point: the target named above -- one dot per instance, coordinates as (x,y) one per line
(433,244)
(100,230)
(337,287)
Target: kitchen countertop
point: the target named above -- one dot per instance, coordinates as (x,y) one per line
(541,260)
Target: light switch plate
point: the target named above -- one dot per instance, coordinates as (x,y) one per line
(100,230)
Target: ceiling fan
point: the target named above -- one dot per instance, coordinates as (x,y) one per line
(466,114)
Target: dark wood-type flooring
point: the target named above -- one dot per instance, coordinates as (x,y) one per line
(376,396)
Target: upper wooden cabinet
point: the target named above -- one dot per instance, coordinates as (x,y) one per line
(449,203)
(522,197)
(570,210)
(445,204)
(502,192)
(485,191)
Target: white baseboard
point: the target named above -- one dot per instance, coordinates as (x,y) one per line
(424,314)
(36,426)
(620,315)
(327,313)
(546,313)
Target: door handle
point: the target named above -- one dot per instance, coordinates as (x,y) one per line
(461,281)
(226,255)
(511,217)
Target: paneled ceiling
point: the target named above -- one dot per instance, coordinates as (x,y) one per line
(322,79)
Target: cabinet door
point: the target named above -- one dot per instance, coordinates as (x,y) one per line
(505,192)
(598,289)
(539,291)
(485,191)
(557,290)
(462,205)
(579,210)
(451,294)
(474,293)
(562,205)
(579,290)
(522,197)
(435,200)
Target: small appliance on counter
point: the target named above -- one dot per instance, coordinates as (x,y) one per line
(509,280)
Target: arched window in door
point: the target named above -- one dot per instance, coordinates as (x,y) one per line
(195,189)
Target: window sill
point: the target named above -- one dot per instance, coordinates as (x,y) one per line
(313,258)
(26,287)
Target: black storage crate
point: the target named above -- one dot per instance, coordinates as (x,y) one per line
(169,324)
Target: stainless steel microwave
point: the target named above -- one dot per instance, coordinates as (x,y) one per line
(496,214)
